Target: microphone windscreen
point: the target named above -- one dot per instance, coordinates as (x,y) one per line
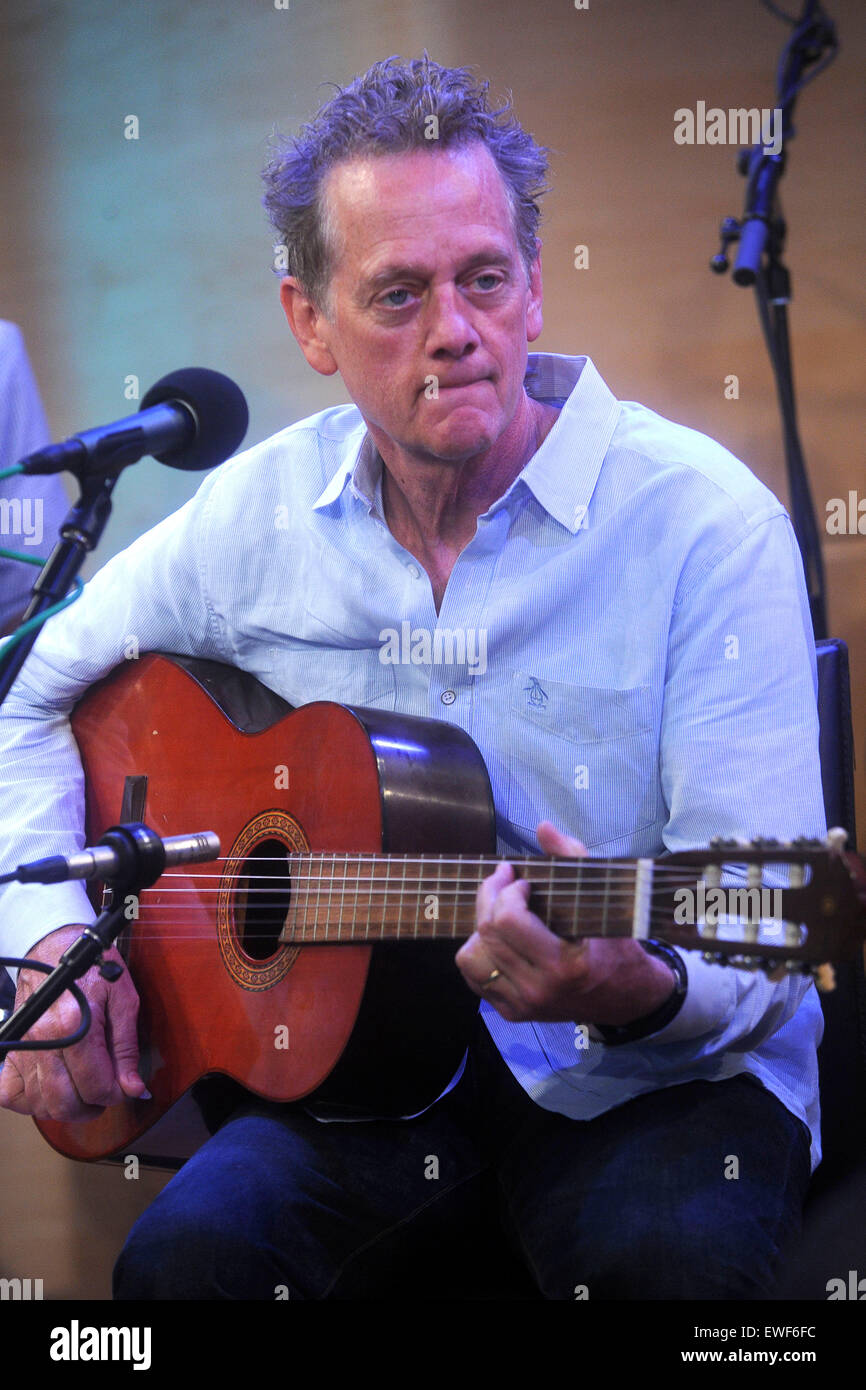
(220,410)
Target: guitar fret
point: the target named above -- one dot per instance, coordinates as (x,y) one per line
(549,906)
(438,894)
(342,908)
(455,893)
(575,911)
(308,888)
(399,923)
(357,862)
(328,905)
(307,891)
(317,888)
(320,893)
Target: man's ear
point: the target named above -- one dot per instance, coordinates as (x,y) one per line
(534,316)
(305,321)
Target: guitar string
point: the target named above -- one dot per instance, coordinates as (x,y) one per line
(657,916)
(702,939)
(670,873)
(452,896)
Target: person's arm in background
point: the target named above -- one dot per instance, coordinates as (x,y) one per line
(31,508)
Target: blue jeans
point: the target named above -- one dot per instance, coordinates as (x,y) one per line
(635,1204)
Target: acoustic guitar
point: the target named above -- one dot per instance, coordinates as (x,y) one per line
(314,960)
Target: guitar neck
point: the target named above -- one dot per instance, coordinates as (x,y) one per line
(372,898)
(350,897)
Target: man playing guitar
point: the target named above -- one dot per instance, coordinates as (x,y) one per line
(649,683)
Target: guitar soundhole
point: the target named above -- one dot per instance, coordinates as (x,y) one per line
(263,898)
(254,897)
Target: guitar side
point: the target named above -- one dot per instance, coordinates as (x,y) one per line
(377,1029)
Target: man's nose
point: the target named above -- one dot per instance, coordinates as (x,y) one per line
(450,328)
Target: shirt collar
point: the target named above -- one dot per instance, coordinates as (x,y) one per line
(561,475)
(362,466)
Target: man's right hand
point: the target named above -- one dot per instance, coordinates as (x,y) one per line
(76,1083)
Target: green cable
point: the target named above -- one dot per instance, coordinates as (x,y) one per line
(16,555)
(40,618)
(7,472)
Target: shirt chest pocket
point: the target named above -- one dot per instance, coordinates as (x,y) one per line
(583,757)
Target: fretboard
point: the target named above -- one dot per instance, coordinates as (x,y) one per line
(359,897)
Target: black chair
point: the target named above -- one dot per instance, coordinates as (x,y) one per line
(842,1054)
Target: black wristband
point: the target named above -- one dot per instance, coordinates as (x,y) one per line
(615,1034)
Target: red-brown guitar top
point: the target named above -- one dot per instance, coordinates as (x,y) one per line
(179,743)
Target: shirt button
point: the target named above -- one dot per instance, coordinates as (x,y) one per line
(413,570)
(448,697)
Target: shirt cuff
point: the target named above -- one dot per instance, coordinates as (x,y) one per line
(32,910)
(710,1000)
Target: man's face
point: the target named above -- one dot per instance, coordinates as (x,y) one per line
(428,283)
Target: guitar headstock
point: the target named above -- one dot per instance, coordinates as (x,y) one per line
(819,917)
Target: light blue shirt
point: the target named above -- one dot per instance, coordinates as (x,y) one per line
(636,664)
(32,508)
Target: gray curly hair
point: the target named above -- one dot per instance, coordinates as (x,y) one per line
(387,110)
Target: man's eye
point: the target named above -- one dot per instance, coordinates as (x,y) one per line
(386,299)
(488,276)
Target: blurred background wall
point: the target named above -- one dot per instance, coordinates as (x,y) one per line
(126,258)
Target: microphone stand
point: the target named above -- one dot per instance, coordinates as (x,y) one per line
(142,862)
(761,237)
(79,534)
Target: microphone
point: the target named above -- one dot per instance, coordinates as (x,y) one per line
(106,862)
(191,419)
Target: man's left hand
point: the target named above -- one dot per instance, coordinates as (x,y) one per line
(543,978)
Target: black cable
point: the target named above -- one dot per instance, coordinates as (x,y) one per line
(22,963)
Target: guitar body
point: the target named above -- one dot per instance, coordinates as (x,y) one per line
(188,745)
